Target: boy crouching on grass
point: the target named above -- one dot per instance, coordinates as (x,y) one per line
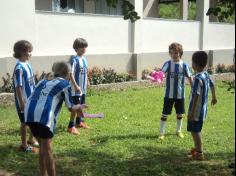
(42,109)
(198,102)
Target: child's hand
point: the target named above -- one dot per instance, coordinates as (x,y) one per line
(213,101)
(83,106)
(78,90)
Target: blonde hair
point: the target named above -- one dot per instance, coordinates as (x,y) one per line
(61,69)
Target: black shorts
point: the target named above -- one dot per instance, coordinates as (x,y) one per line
(39,130)
(194,126)
(78,99)
(178,104)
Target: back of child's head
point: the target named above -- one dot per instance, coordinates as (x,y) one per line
(21,48)
(61,69)
(176,47)
(80,43)
(200,58)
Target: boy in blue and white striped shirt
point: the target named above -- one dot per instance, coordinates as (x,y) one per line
(199,101)
(176,71)
(41,112)
(79,82)
(23,84)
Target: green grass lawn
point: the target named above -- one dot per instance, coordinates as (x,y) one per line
(126,141)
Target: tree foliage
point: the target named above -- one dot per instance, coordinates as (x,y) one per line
(223,10)
(127,10)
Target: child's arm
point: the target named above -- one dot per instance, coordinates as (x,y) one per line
(213,92)
(190,79)
(20,98)
(194,105)
(75,85)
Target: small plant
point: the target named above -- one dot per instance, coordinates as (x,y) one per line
(231,85)
(95,76)
(145,72)
(7,84)
(222,68)
(109,75)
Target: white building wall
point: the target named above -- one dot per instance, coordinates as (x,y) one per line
(55,33)
(159,34)
(220,36)
(17,22)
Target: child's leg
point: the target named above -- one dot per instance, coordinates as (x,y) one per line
(163,124)
(42,164)
(71,125)
(46,155)
(72,120)
(179,122)
(197,142)
(180,110)
(23,135)
(79,119)
(167,108)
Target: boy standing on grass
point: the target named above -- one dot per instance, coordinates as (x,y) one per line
(176,71)
(198,102)
(42,109)
(23,82)
(79,82)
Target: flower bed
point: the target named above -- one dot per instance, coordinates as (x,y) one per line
(7,99)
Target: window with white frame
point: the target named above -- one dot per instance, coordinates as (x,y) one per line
(71,6)
(102,8)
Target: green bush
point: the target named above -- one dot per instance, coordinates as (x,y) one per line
(222,68)
(105,76)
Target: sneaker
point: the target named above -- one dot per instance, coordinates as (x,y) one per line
(33,144)
(191,153)
(161,137)
(73,130)
(180,134)
(198,156)
(83,125)
(28,149)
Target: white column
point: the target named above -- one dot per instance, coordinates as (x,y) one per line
(136,37)
(184,9)
(202,8)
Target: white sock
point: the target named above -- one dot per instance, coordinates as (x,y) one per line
(163,126)
(179,125)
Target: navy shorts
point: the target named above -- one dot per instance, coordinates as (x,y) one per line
(178,104)
(40,131)
(78,99)
(194,126)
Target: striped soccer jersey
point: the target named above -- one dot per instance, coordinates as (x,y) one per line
(79,70)
(201,84)
(46,101)
(23,76)
(175,78)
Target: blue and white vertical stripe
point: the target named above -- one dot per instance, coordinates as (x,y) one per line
(175,78)
(46,101)
(201,84)
(23,76)
(79,69)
